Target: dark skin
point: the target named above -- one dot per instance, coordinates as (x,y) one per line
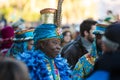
(30,44)
(99,43)
(50,47)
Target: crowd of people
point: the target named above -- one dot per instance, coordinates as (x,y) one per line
(46,53)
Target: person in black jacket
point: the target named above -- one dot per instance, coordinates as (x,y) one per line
(81,45)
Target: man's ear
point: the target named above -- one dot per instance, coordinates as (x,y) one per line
(86,33)
(40,45)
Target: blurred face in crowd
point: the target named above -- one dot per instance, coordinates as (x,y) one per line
(11,69)
(89,35)
(2,24)
(67,37)
(30,44)
(51,47)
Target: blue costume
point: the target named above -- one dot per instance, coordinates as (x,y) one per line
(86,63)
(40,65)
(21,42)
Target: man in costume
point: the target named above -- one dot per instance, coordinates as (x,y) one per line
(45,62)
(80,46)
(23,42)
(85,64)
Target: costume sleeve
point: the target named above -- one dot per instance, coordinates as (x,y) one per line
(79,70)
(83,67)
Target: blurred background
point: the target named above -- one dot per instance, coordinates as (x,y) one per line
(74,11)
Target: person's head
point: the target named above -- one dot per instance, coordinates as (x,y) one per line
(7,33)
(11,69)
(67,36)
(99,32)
(111,38)
(109,12)
(47,38)
(50,47)
(24,39)
(86,29)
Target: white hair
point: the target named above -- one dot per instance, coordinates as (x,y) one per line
(110,44)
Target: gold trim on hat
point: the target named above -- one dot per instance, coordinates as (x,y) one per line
(23,31)
(48,16)
(48,10)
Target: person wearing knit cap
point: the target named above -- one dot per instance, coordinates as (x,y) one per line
(23,42)
(108,65)
(86,63)
(7,36)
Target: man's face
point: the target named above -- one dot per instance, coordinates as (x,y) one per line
(91,36)
(52,47)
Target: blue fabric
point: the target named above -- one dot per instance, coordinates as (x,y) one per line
(35,61)
(99,75)
(85,64)
(46,31)
(99,30)
(94,52)
(20,46)
(24,35)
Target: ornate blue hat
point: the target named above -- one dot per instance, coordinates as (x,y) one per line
(47,31)
(49,27)
(24,35)
(100,28)
(21,42)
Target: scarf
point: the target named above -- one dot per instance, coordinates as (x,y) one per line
(38,68)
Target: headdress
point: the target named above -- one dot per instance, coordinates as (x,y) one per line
(100,28)
(24,35)
(51,23)
(21,42)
